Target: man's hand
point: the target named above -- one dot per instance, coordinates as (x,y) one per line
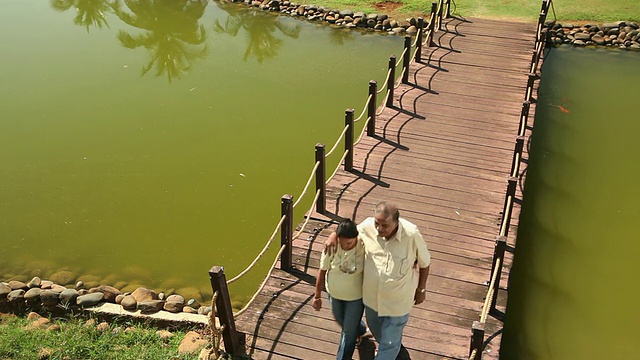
(419,296)
(331,244)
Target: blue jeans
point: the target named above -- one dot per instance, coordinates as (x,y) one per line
(349,315)
(388,333)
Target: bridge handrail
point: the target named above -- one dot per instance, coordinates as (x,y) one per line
(477,330)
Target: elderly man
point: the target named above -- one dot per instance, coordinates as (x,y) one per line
(395,275)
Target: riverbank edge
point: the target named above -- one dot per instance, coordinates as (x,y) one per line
(619,34)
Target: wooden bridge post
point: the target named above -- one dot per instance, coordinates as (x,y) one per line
(286,232)
(440,9)
(418,57)
(498,253)
(320,179)
(477,338)
(432,24)
(507,208)
(371,108)
(233,339)
(517,154)
(406,60)
(544,6)
(391,81)
(524,117)
(348,139)
(530,83)
(448,14)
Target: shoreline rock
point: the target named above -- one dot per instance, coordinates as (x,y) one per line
(619,34)
(46,295)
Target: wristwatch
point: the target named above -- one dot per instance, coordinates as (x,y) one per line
(421,290)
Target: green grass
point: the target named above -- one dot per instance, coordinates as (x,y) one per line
(75,341)
(578,11)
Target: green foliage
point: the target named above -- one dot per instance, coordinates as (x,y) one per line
(18,340)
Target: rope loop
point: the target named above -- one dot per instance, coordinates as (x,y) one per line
(337,167)
(363,110)
(264,282)
(306,220)
(216,332)
(344,131)
(253,263)
(386,81)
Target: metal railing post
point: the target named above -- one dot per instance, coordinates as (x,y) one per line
(406,60)
(418,57)
(286,231)
(391,81)
(348,139)
(371,108)
(233,339)
(320,179)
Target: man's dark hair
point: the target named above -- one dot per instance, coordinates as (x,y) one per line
(347,229)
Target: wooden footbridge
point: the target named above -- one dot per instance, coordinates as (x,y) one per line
(447,145)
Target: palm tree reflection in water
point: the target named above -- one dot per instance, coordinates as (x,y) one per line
(260,27)
(89,12)
(173,34)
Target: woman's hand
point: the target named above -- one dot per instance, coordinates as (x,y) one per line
(317,303)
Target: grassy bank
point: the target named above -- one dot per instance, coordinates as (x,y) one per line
(20,338)
(577,11)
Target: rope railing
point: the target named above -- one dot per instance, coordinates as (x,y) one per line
(516,167)
(264,282)
(473,354)
(386,81)
(506,219)
(383,106)
(337,167)
(363,110)
(306,220)
(216,331)
(363,132)
(404,52)
(266,247)
(413,57)
(415,40)
(492,286)
(399,82)
(306,186)
(344,131)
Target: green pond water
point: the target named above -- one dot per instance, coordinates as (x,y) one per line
(143,142)
(573,290)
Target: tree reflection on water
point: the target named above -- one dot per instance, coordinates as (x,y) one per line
(89,12)
(260,27)
(172,32)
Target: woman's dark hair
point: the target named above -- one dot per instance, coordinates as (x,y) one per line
(347,229)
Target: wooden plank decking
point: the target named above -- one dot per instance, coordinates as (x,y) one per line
(443,154)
